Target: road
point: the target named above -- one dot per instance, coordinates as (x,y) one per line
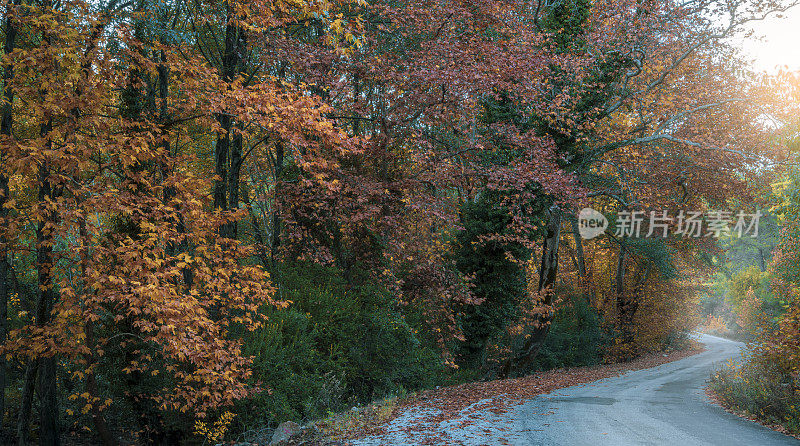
(664,405)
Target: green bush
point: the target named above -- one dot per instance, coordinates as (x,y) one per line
(334,347)
(761,391)
(576,337)
(757,280)
(496,279)
(337,346)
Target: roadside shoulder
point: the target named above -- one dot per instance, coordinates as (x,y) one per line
(717,401)
(426,416)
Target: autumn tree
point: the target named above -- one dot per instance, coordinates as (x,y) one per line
(134,284)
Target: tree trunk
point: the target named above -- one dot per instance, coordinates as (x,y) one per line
(91,382)
(49,434)
(619,281)
(589,291)
(619,291)
(6,122)
(627,303)
(236,150)
(99,421)
(221,163)
(356,97)
(228,151)
(258,231)
(48,399)
(28,386)
(578,247)
(548,273)
(233,180)
(276,218)
(4,293)
(45,366)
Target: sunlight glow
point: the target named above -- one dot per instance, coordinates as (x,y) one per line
(775,44)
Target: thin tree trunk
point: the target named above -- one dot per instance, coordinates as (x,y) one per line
(258,231)
(221,163)
(356,97)
(26,401)
(4,292)
(48,399)
(626,304)
(100,425)
(226,147)
(578,247)
(619,280)
(631,304)
(236,149)
(91,382)
(166,166)
(619,291)
(6,122)
(548,273)
(589,291)
(49,432)
(233,180)
(276,218)
(31,369)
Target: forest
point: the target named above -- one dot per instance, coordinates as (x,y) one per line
(220,215)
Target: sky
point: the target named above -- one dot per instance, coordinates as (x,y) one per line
(780,43)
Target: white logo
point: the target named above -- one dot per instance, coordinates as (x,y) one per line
(591,223)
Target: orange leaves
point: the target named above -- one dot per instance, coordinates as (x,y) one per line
(144,282)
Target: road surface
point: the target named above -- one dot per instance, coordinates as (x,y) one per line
(664,405)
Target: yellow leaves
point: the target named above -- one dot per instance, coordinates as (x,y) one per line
(215,433)
(113,276)
(336,27)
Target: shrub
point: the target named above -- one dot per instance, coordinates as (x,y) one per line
(576,336)
(336,346)
(750,294)
(498,280)
(760,390)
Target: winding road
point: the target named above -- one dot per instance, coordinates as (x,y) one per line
(663,405)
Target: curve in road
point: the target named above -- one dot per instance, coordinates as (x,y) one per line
(664,405)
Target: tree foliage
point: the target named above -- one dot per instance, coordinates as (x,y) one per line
(280,209)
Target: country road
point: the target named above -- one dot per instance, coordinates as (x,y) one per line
(664,405)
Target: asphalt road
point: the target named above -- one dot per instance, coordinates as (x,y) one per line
(664,405)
